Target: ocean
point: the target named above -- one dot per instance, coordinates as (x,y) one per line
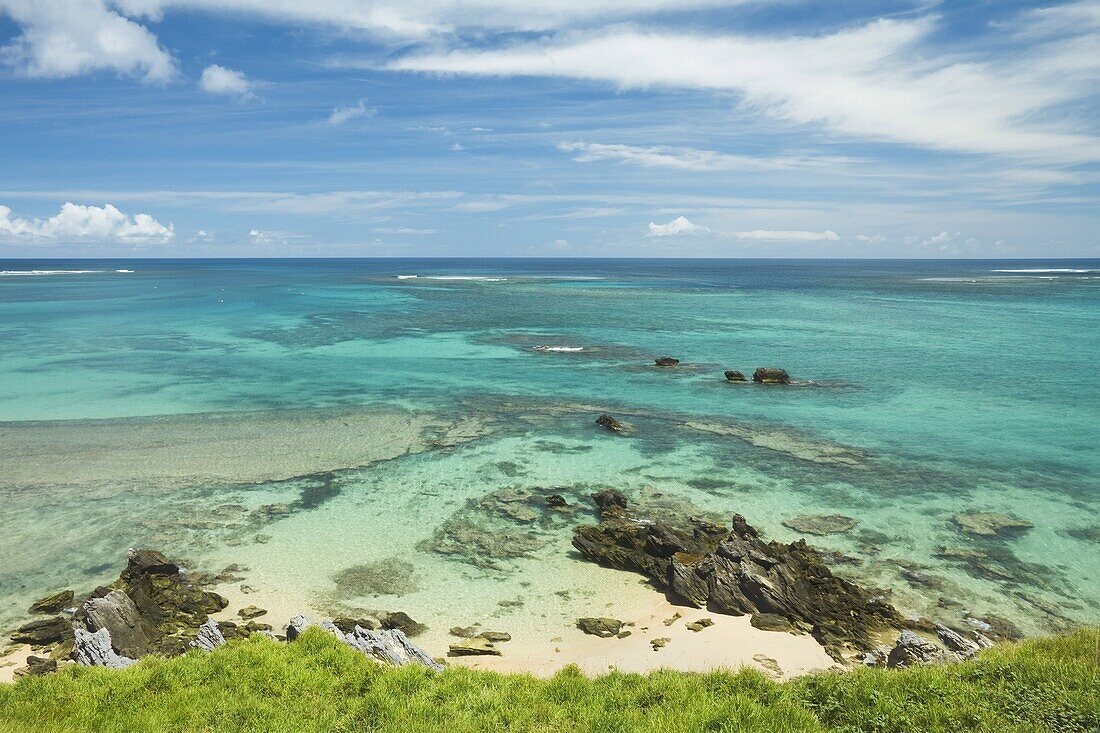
(363,434)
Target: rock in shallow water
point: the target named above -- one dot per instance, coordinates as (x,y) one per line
(736,572)
(765,375)
(820,524)
(477,646)
(610,423)
(990,524)
(55,603)
(734,376)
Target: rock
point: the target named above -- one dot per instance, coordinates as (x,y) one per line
(464,632)
(603,627)
(43,631)
(659,643)
(495,636)
(990,524)
(389,646)
(732,376)
(556,501)
(735,572)
(820,524)
(298,626)
(477,646)
(623,634)
(956,642)
(770,622)
(391,576)
(255,627)
(250,612)
(95,650)
(666,361)
(55,603)
(131,635)
(699,625)
(164,597)
(347,625)
(671,619)
(876,657)
(995,627)
(764,375)
(37,667)
(609,501)
(401,621)
(771,667)
(209,637)
(911,649)
(606,421)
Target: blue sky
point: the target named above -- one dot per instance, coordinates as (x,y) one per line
(174,128)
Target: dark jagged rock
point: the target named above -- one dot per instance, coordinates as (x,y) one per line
(765,375)
(770,622)
(734,376)
(347,625)
(666,361)
(736,572)
(251,612)
(55,603)
(556,501)
(41,632)
(403,622)
(601,626)
(37,667)
(610,423)
(957,643)
(131,635)
(164,597)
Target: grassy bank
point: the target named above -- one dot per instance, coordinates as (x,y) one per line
(318,684)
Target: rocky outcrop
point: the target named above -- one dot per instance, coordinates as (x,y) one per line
(911,649)
(209,637)
(766,375)
(42,632)
(666,361)
(385,646)
(55,603)
(735,572)
(95,650)
(734,376)
(131,635)
(165,598)
(609,423)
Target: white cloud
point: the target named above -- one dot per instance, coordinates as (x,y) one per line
(787,235)
(942,238)
(340,115)
(877,81)
(61,38)
(90,223)
(220,80)
(691,159)
(679,225)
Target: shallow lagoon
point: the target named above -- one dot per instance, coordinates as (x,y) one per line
(304,418)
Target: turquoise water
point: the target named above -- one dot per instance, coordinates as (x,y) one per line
(388,414)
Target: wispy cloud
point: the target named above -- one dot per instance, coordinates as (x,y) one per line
(340,115)
(693,159)
(681,226)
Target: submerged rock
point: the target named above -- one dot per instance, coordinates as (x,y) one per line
(610,423)
(734,376)
(95,650)
(251,612)
(765,375)
(556,501)
(600,626)
(735,572)
(476,646)
(821,524)
(401,621)
(666,361)
(990,524)
(389,577)
(55,603)
(41,632)
(464,632)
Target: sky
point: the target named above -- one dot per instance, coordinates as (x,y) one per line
(564,128)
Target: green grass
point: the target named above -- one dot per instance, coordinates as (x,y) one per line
(318,684)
